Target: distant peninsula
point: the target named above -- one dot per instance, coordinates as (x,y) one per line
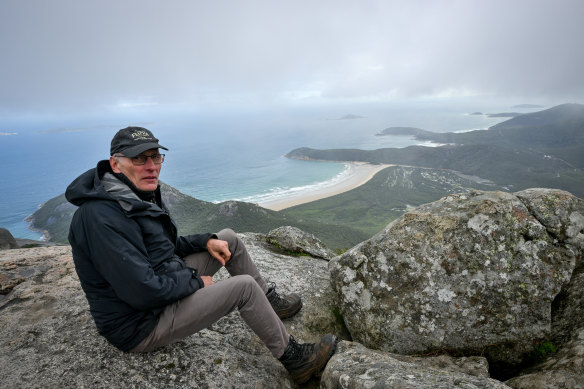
(497,115)
(539,149)
(403,131)
(504,115)
(527,106)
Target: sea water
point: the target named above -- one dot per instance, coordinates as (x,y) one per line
(214,156)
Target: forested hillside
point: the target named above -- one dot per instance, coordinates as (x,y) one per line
(541,149)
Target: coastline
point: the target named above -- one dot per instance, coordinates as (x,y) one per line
(360,173)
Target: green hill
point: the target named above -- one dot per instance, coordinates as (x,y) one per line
(340,221)
(192,215)
(388,195)
(557,127)
(540,149)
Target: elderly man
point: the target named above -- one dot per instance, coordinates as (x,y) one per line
(147,287)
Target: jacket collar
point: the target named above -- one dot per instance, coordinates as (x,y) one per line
(130,202)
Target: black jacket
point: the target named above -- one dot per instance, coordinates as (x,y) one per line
(128,256)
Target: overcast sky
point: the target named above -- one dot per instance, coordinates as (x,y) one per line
(61,56)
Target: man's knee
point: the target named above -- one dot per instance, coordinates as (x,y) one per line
(246,287)
(234,242)
(228,235)
(245,281)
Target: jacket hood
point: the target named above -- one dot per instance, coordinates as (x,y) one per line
(100,183)
(88,186)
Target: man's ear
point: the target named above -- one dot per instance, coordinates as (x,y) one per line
(115,164)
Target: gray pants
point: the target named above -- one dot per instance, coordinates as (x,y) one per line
(244,290)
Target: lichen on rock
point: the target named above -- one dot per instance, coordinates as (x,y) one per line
(471,273)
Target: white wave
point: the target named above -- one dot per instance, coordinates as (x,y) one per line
(431,144)
(470,130)
(278,193)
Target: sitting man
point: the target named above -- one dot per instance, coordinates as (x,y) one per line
(146,287)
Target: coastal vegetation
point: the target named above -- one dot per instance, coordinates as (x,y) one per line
(193,215)
(388,195)
(542,149)
(340,221)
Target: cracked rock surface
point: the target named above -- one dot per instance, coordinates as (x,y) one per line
(485,274)
(472,273)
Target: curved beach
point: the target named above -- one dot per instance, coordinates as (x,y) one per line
(360,173)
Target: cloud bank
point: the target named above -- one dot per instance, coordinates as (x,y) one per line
(73,55)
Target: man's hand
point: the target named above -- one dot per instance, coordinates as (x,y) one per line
(219,250)
(207,280)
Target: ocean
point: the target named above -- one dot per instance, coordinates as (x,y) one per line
(214,156)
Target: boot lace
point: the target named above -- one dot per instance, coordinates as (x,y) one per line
(275,299)
(300,350)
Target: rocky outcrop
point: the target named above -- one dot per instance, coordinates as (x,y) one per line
(294,240)
(565,368)
(471,273)
(355,366)
(7,241)
(48,338)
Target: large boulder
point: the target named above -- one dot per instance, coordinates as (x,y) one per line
(471,273)
(294,240)
(7,241)
(355,366)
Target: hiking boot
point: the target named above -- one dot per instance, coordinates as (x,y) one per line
(284,306)
(304,360)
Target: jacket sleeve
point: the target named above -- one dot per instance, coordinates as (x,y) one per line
(117,250)
(191,244)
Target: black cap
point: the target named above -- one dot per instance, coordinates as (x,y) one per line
(132,141)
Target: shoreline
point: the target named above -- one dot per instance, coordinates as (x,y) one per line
(360,174)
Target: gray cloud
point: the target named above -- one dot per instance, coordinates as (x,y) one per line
(69,55)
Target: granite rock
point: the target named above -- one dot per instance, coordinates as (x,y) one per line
(7,241)
(294,240)
(489,275)
(49,338)
(355,366)
(471,273)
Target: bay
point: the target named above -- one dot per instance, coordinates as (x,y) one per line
(214,156)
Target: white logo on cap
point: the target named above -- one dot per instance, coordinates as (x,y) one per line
(140,135)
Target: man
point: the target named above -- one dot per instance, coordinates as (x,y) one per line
(146,287)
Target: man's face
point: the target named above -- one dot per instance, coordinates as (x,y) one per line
(145,177)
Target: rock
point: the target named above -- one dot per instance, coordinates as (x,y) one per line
(475,366)
(565,368)
(354,366)
(294,240)
(49,338)
(560,213)
(471,273)
(28,243)
(567,308)
(7,241)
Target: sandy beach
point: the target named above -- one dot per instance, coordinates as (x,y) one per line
(360,173)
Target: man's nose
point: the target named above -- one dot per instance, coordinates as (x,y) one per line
(149,164)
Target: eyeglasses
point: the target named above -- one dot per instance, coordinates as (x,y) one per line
(142,159)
